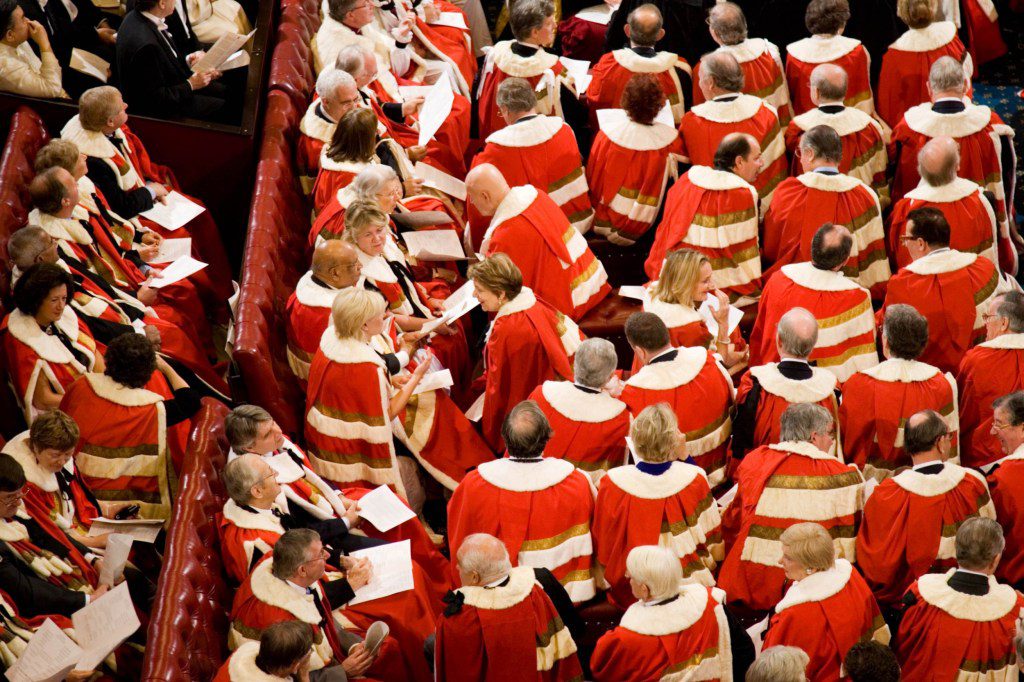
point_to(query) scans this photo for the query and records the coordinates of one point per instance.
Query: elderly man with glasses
(1006, 481)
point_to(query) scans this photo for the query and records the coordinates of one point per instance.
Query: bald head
(487, 188)
(831, 247)
(720, 74)
(336, 264)
(828, 84)
(938, 161)
(796, 334)
(727, 23)
(482, 559)
(644, 26)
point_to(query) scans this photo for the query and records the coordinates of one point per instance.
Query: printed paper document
(392, 571)
(383, 508)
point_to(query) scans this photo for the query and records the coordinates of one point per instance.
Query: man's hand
(410, 107)
(416, 153)
(153, 334)
(151, 238)
(201, 79)
(159, 191)
(430, 12)
(99, 591)
(358, 661)
(146, 294)
(352, 517)
(412, 186)
(38, 35)
(194, 57)
(360, 573)
(107, 36)
(148, 253)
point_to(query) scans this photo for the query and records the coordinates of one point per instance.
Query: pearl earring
(809, 571)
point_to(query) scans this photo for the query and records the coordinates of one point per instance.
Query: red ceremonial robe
(910, 524)
(611, 73)
(903, 82)
(779, 486)
(674, 510)
(803, 56)
(335, 176)
(825, 614)
(628, 171)
(541, 509)
(846, 326)
(1005, 479)
(504, 634)
(245, 538)
(984, 39)
(590, 426)
(699, 390)
(686, 639)
(714, 212)
(704, 127)
(763, 75)
(315, 132)
(54, 559)
(951, 289)
(876, 405)
(687, 329)
(949, 635)
(988, 371)
(309, 315)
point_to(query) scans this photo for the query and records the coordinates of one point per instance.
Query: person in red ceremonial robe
(590, 426)
(985, 142)
(357, 416)
(824, 195)
(612, 72)
(46, 347)
(879, 400)
(962, 625)
(352, 149)
(1004, 478)
(17, 632)
(715, 211)
(694, 384)
(674, 628)
(902, 83)
(553, 257)
(910, 520)
(502, 624)
(728, 110)
(846, 325)
(972, 220)
(990, 370)
(630, 165)
(826, 21)
(529, 342)
(546, 505)
(865, 155)
(336, 95)
(779, 486)
(657, 501)
(282, 654)
(766, 391)
(950, 288)
(984, 37)
(828, 607)
(763, 73)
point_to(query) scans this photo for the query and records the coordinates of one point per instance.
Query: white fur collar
(520, 584)
(89, 142)
(108, 389)
(347, 351)
(930, 485)
(523, 477)
(817, 586)
(248, 520)
(925, 39)
(515, 202)
(631, 61)
(376, 268)
(531, 133)
(521, 67)
(829, 183)
(345, 196)
(740, 109)
(819, 49)
(521, 303)
(674, 315)
(313, 125)
(804, 448)
(574, 404)
(922, 119)
(810, 277)
(278, 593)
(242, 666)
(354, 167)
(667, 619)
(638, 137)
(13, 531)
(25, 329)
(848, 121)
(663, 376)
(960, 188)
(820, 386)
(1012, 341)
(1015, 456)
(648, 487)
(935, 589)
(899, 370)
(309, 293)
(749, 50)
(18, 448)
(62, 228)
(939, 263)
(713, 179)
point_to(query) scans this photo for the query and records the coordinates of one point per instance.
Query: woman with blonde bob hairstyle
(674, 625)
(355, 411)
(827, 609)
(657, 501)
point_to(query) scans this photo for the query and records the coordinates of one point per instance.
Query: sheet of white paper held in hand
(435, 381)
(384, 509)
(222, 50)
(177, 271)
(174, 212)
(442, 182)
(49, 656)
(434, 245)
(141, 530)
(103, 624)
(392, 571)
(119, 545)
(173, 249)
(437, 106)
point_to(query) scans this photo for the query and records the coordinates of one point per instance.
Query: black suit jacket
(64, 33)
(153, 77)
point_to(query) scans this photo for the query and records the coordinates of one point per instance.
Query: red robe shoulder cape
(714, 212)
(333, 177)
(309, 315)
(704, 127)
(951, 289)
(803, 204)
(504, 634)
(553, 256)
(779, 486)
(949, 635)
(590, 428)
(877, 403)
(988, 371)
(1006, 485)
(245, 538)
(910, 524)
(700, 392)
(825, 614)
(315, 132)
(541, 510)
(687, 329)
(628, 170)
(674, 510)
(763, 75)
(55, 559)
(611, 73)
(687, 638)
(803, 56)
(846, 326)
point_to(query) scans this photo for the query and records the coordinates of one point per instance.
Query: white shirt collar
(961, 569)
(948, 99)
(495, 583)
(299, 588)
(157, 21)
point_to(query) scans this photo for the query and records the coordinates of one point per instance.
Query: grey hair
(529, 15)
(328, 82)
(790, 338)
(1009, 305)
(657, 568)
(291, 551)
(978, 542)
(516, 95)
(25, 245)
(827, 90)
(723, 70)
(239, 476)
(484, 555)
(802, 420)
(350, 60)
(779, 664)
(905, 331)
(594, 362)
(337, 9)
(824, 142)
(728, 23)
(242, 425)
(1013, 403)
(526, 430)
(947, 75)
(371, 180)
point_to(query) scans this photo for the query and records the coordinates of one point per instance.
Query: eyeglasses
(322, 556)
(999, 427)
(907, 238)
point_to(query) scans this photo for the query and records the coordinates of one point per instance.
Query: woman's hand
(721, 314)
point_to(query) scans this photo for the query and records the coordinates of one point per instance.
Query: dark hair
(291, 551)
(36, 284)
(906, 331)
(12, 476)
(830, 256)
(284, 644)
(641, 34)
(930, 225)
(643, 98)
(355, 138)
(1013, 403)
(7, 8)
(917, 13)
(47, 191)
(825, 142)
(526, 430)
(145, 5)
(922, 435)
(647, 331)
(131, 360)
(826, 17)
(871, 662)
(731, 147)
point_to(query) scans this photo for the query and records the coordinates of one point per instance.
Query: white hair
(371, 180)
(594, 362)
(350, 60)
(328, 82)
(657, 568)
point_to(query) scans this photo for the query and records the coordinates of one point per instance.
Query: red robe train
(984, 39)
(315, 132)
(763, 75)
(803, 56)
(988, 371)
(309, 314)
(1004, 478)
(611, 73)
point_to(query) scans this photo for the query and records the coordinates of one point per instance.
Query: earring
(809, 571)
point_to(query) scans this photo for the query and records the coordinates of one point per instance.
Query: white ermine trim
(502, 56)
(520, 584)
(242, 666)
(819, 387)
(831, 183)
(960, 188)
(663, 376)
(902, 371)
(1006, 342)
(666, 619)
(518, 200)
(525, 476)
(740, 109)
(18, 448)
(252, 521)
(713, 179)
(817, 586)
(313, 125)
(276, 592)
(574, 404)
(801, 448)
(810, 277)
(353, 167)
(531, 133)
(942, 262)
(119, 394)
(25, 329)
(309, 293)
(631, 61)
(347, 351)
(634, 482)
(63, 228)
(747, 51)
(523, 301)
(674, 315)
(848, 121)
(819, 49)
(931, 37)
(376, 268)
(935, 590)
(921, 119)
(930, 485)
(641, 138)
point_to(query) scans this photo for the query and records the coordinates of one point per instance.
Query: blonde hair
(679, 276)
(352, 308)
(655, 434)
(657, 568)
(779, 664)
(498, 274)
(57, 153)
(97, 105)
(810, 545)
(361, 215)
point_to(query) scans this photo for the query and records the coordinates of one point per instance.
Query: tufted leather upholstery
(291, 66)
(607, 320)
(187, 636)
